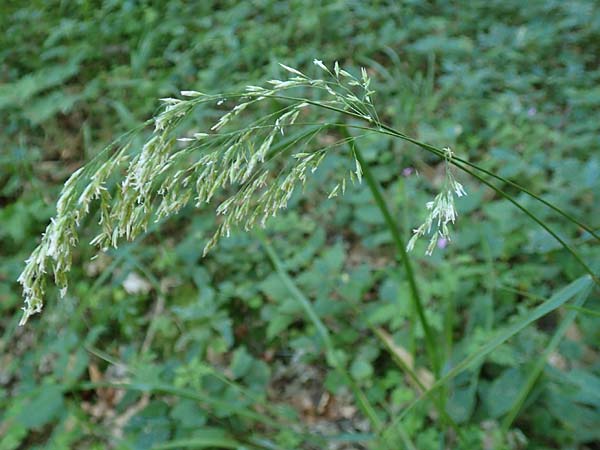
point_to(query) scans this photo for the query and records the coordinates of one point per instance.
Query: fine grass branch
(461, 163)
(455, 160)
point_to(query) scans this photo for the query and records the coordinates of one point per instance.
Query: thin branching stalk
(384, 129)
(455, 160)
(507, 196)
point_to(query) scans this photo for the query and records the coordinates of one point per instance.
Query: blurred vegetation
(157, 347)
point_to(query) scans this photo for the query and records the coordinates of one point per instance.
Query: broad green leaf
(503, 391)
(45, 406)
(241, 362)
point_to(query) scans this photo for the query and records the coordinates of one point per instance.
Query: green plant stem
(533, 195)
(332, 358)
(456, 160)
(536, 219)
(402, 253)
(582, 310)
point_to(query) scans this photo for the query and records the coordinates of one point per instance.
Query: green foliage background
(215, 352)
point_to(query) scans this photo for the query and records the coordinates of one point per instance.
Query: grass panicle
(239, 159)
(171, 170)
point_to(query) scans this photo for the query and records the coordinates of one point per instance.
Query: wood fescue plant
(254, 165)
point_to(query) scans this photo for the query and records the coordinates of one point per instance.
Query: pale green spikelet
(442, 211)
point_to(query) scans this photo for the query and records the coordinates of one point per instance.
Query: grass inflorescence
(240, 157)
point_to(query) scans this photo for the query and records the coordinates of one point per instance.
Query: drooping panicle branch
(238, 161)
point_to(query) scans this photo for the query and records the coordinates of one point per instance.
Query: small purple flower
(532, 111)
(407, 171)
(442, 242)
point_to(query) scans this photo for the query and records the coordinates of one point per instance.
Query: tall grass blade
(363, 402)
(207, 438)
(541, 361)
(557, 300)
